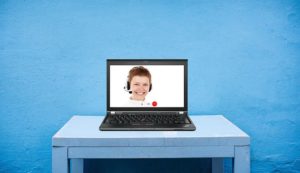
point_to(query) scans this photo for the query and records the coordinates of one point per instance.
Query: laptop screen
(146, 84)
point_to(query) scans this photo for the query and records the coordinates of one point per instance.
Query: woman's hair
(139, 71)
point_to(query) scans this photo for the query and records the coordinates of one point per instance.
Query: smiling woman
(139, 84)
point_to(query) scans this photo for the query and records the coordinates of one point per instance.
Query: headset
(127, 87)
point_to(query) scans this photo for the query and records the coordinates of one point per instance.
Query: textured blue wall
(244, 60)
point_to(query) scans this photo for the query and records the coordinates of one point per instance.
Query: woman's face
(139, 86)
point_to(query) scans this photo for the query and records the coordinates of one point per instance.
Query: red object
(154, 103)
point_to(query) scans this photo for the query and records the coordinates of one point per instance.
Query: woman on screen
(138, 85)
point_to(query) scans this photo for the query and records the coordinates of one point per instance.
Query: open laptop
(147, 95)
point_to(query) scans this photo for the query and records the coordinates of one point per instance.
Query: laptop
(147, 95)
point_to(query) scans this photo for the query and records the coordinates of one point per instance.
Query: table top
(210, 130)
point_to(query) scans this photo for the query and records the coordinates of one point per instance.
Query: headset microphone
(127, 89)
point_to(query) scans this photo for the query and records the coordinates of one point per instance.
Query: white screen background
(167, 85)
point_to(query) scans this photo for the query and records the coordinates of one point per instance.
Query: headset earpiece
(128, 86)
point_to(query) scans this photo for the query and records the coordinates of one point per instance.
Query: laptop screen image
(146, 84)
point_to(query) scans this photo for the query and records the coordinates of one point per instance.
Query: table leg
(217, 165)
(77, 165)
(60, 161)
(242, 159)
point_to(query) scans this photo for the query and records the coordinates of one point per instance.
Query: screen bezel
(110, 62)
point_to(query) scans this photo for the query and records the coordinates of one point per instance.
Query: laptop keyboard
(147, 118)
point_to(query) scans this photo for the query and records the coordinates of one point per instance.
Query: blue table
(215, 137)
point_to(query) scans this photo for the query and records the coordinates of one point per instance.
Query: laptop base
(109, 125)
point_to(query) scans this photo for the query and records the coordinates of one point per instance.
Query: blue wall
(244, 60)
